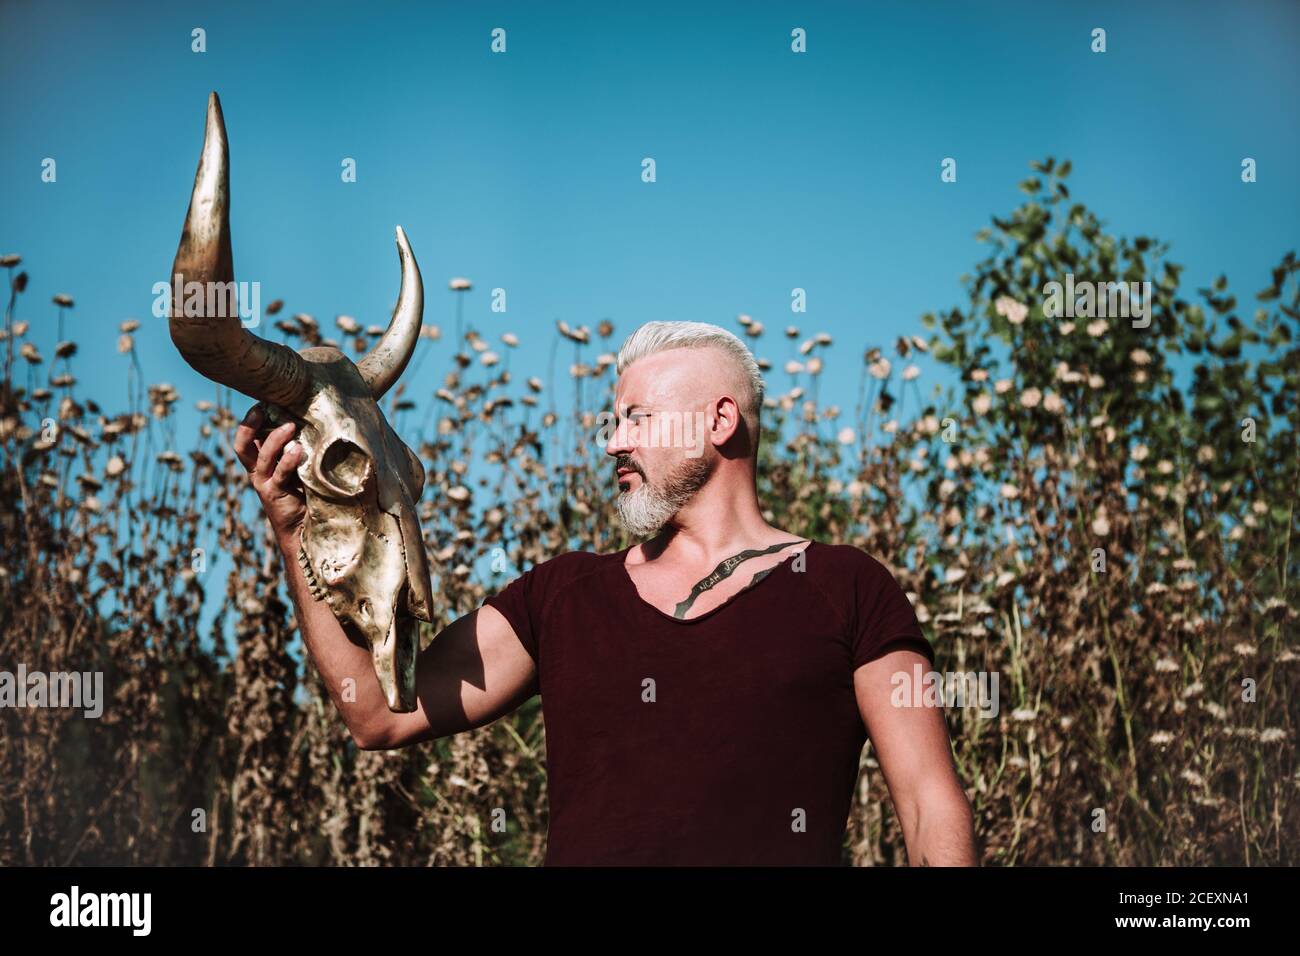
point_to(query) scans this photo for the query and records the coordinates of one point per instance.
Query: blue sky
(522, 170)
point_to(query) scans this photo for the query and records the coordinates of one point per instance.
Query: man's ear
(727, 413)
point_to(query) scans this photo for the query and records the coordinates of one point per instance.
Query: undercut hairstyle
(656, 337)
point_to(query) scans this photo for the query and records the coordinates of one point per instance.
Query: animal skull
(362, 549)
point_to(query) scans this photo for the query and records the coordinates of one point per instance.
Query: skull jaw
(393, 646)
(394, 660)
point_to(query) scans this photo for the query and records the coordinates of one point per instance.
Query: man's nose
(618, 443)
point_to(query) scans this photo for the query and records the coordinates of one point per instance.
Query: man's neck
(716, 525)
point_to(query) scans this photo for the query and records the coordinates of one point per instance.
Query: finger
(285, 478)
(272, 445)
(244, 443)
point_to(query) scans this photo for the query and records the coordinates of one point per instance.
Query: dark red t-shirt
(750, 731)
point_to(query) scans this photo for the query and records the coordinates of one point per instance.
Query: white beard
(645, 511)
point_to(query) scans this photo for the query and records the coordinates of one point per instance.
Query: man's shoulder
(536, 587)
(848, 575)
(851, 561)
(561, 568)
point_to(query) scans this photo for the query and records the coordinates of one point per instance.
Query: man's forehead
(661, 377)
(640, 383)
(626, 398)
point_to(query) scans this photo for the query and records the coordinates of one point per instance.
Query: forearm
(347, 670)
(942, 834)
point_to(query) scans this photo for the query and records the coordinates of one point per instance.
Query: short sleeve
(884, 618)
(520, 603)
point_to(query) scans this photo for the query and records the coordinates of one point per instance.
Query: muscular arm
(473, 672)
(915, 756)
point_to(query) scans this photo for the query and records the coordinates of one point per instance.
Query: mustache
(623, 461)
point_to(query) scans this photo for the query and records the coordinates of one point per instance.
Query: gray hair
(660, 336)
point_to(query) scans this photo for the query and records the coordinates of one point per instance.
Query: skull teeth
(317, 592)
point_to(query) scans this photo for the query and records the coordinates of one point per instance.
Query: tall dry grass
(1156, 696)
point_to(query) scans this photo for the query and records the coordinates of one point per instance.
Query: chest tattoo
(724, 571)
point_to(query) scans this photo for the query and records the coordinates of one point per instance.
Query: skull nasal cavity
(345, 466)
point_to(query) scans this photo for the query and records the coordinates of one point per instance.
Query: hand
(271, 462)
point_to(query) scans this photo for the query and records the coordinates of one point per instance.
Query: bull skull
(362, 550)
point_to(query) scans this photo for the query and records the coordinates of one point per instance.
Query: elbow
(373, 738)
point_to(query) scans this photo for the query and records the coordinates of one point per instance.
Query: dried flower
(1013, 311)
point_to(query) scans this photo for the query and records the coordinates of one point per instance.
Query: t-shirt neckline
(630, 585)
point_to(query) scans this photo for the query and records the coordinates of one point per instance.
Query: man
(706, 692)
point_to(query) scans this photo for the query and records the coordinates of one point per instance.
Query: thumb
(285, 477)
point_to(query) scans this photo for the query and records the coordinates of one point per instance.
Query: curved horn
(211, 337)
(384, 363)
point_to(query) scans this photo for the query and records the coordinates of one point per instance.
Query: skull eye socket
(344, 467)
